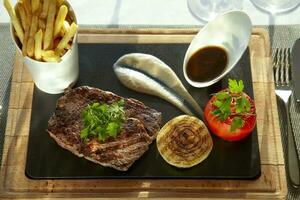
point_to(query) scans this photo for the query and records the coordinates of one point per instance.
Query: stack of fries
(45, 28)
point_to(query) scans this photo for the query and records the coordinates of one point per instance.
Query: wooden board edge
(275, 118)
(264, 35)
(144, 191)
(139, 31)
(262, 32)
(164, 31)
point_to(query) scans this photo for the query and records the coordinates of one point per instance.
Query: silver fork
(283, 91)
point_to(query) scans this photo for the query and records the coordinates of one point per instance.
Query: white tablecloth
(155, 13)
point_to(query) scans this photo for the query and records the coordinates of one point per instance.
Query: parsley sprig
(232, 103)
(102, 120)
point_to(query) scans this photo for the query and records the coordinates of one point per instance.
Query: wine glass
(206, 10)
(276, 6)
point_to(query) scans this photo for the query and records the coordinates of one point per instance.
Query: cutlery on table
(295, 58)
(283, 91)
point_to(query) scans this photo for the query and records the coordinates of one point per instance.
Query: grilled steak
(138, 131)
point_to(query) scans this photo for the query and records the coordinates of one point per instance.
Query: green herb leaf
(223, 104)
(103, 108)
(246, 103)
(242, 105)
(216, 112)
(102, 120)
(218, 103)
(234, 86)
(112, 129)
(225, 109)
(101, 137)
(121, 103)
(224, 115)
(222, 95)
(84, 133)
(95, 105)
(237, 122)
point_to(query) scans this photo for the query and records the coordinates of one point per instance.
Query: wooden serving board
(271, 184)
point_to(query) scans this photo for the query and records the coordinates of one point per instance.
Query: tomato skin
(222, 128)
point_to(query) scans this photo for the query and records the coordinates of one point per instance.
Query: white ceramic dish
(231, 31)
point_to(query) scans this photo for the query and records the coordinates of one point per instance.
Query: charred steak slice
(138, 131)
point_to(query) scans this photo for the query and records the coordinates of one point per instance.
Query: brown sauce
(206, 63)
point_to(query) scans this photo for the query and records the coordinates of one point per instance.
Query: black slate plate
(228, 160)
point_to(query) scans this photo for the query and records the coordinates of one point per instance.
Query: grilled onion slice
(184, 141)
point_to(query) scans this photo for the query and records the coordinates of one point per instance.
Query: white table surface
(155, 13)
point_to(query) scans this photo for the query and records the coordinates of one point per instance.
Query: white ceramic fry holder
(53, 77)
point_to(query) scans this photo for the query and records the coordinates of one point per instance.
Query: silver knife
(295, 58)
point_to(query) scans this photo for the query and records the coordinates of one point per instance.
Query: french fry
(52, 59)
(50, 56)
(48, 53)
(33, 30)
(30, 47)
(27, 29)
(40, 8)
(64, 28)
(59, 3)
(24, 46)
(42, 24)
(15, 21)
(38, 38)
(34, 25)
(50, 25)
(68, 46)
(27, 8)
(63, 52)
(55, 42)
(21, 10)
(35, 4)
(66, 38)
(26, 35)
(59, 21)
(45, 8)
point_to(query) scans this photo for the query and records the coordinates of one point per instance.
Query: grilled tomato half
(230, 113)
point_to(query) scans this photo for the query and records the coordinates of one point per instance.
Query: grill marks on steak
(130, 144)
(139, 130)
(135, 108)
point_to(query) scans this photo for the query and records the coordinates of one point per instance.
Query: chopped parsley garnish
(102, 120)
(232, 103)
(234, 86)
